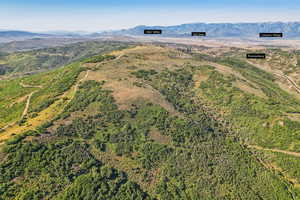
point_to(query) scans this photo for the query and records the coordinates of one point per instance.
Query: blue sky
(97, 15)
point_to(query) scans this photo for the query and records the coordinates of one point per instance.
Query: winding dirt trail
(109, 61)
(291, 153)
(25, 111)
(272, 166)
(28, 97)
(291, 81)
(27, 104)
(117, 58)
(48, 113)
(80, 81)
(7, 126)
(30, 86)
(278, 73)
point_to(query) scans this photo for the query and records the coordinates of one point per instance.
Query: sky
(98, 15)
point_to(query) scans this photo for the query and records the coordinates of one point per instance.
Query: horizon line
(87, 32)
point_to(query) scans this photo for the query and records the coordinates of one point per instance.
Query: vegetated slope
(37, 43)
(138, 128)
(26, 97)
(267, 116)
(12, 97)
(49, 58)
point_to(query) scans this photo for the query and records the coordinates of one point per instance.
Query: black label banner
(152, 31)
(198, 33)
(271, 35)
(256, 55)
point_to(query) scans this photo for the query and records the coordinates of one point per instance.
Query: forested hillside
(150, 122)
(49, 58)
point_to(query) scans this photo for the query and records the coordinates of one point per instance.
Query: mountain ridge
(244, 30)
(19, 33)
(290, 30)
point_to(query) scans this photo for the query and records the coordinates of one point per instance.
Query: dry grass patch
(294, 116)
(118, 77)
(226, 70)
(126, 94)
(198, 78)
(19, 100)
(246, 88)
(32, 123)
(155, 135)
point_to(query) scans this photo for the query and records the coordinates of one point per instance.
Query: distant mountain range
(242, 30)
(290, 30)
(21, 34)
(9, 36)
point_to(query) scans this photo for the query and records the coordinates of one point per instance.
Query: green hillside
(49, 58)
(151, 122)
(45, 89)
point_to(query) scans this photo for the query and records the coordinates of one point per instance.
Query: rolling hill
(154, 122)
(34, 61)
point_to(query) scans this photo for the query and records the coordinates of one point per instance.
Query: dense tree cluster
(145, 74)
(99, 58)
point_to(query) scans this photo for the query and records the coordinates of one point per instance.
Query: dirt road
(30, 86)
(25, 111)
(27, 104)
(291, 153)
(292, 82)
(29, 96)
(278, 73)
